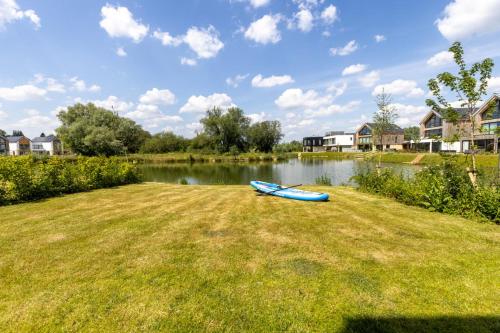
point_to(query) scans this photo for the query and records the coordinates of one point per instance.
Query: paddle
(283, 188)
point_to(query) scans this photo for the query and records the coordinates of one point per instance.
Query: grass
(173, 258)
(206, 157)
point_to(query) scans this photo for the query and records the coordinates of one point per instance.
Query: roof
(49, 138)
(15, 138)
(394, 128)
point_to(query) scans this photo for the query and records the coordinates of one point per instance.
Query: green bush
(323, 180)
(443, 188)
(29, 178)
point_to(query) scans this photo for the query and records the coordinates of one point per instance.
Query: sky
(314, 65)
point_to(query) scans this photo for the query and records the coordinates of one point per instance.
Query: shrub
(29, 178)
(443, 188)
(323, 180)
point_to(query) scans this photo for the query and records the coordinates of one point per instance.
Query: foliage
(323, 180)
(165, 143)
(412, 133)
(288, 147)
(264, 135)
(384, 118)
(29, 178)
(443, 187)
(226, 128)
(89, 130)
(468, 86)
(2, 132)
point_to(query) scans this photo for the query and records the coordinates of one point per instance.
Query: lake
(293, 171)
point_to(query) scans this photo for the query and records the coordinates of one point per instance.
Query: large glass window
(365, 131)
(434, 132)
(434, 121)
(494, 115)
(490, 128)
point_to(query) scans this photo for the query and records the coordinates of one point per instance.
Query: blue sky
(315, 65)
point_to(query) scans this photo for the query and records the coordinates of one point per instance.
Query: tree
(468, 86)
(2, 132)
(226, 128)
(165, 142)
(384, 118)
(90, 130)
(288, 147)
(17, 133)
(264, 135)
(412, 134)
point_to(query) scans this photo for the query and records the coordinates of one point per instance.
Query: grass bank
(156, 257)
(200, 157)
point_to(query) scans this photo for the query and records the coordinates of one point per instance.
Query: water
(293, 171)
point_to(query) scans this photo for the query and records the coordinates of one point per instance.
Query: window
(434, 121)
(490, 128)
(37, 147)
(365, 131)
(434, 132)
(494, 115)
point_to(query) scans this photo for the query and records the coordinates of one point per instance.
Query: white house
(46, 145)
(339, 141)
(19, 145)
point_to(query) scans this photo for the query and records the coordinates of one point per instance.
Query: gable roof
(14, 139)
(394, 128)
(49, 138)
(485, 105)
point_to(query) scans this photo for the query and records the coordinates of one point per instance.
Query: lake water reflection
(293, 171)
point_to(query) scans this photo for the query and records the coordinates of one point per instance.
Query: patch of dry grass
(170, 258)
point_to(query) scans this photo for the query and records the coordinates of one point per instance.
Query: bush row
(444, 188)
(29, 178)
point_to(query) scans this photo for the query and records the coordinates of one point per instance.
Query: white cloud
(494, 84)
(35, 120)
(264, 30)
(52, 85)
(10, 11)
(200, 104)
(441, 59)
(407, 88)
(305, 20)
(235, 81)
(329, 14)
(466, 18)
(259, 3)
(188, 61)
(121, 52)
(271, 81)
(409, 115)
(379, 38)
(158, 97)
(205, 42)
(167, 39)
(333, 109)
(22, 93)
(113, 103)
(119, 22)
(346, 50)
(353, 69)
(257, 117)
(80, 85)
(296, 98)
(326, 33)
(3, 115)
(337, 89)
(152, 116)
(370, 79)
(194, 127)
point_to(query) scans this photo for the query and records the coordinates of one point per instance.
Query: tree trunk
(473, 172)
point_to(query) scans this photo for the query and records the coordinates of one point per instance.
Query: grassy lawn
(160, 257)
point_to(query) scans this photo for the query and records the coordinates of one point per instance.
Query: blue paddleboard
(289, 193)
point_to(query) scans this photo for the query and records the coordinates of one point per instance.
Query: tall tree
(383, 121)
(468, 86)
(90, 130)
(264, 135)
(227, 129)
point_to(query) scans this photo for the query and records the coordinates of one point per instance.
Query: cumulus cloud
(494, 84)
(353, 69)
(10, 11)
(235, 81)
(34, 120)
(466, 18)
(333, 109)
(80, 85)
(188, 61)
(259, 3)
(267, 82)
(119, 22)
(151, 116)
(370, 79)
(440, 59)
(200, 104)
(156, 96)
(113, 103)
(257, 117)
(406, 88)
(121, 52)
(296, 98)
(409, 114)
(167, 39)
(21, 93)
(51, 84)
(346, 50)
(337, 89)
(264, 30)
(329, 14)
(379, 38)
(305, 20)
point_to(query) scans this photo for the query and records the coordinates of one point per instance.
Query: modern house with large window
(439, 135)
(313, 144)
(366, 141)
(46, 145)
(4, 146)
(339, 141)
(19, 145)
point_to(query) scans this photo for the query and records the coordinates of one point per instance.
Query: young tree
(383, 120)
(264, 135)
(468, 86)
(412, 134)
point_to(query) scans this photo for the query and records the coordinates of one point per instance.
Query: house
(46, 145)
(434, 130)
(4, 146)
(392, 139)
(19, 145)
(339, 141)
(313, 144)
